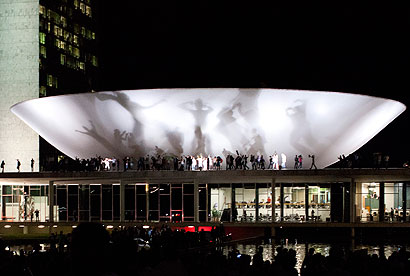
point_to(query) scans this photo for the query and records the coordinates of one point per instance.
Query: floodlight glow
(209, 122)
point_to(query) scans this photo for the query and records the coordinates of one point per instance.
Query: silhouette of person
(313, 162)
(200, 112)
(37, 213)
(3, 164)
(93, 132)
(18, 165)
(90, 250)
(296, 162)
(133, 108)
(301, 137)
(32, 164)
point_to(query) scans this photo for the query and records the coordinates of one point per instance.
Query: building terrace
(332, 198)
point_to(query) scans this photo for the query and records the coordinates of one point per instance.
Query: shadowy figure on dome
(200, 142)
(134, 109)
(137, 150)
(200, 112)
(93, 132)
(229, 127)
(301, 137)
(119, 137)
(176, 140)
(256, 144)
(247, 105)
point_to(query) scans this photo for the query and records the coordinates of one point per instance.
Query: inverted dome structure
(209, 122)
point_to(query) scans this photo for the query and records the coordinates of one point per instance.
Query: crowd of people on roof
(228, 161)
(168, 162)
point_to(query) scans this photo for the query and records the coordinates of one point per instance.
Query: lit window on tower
(43, 91)
(43, 51)
(42, 10)
(88, 11)
(62, 59)
(42, 38)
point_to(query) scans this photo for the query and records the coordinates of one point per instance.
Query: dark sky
(357, 49)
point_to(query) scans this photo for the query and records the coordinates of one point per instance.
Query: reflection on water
(269, 249)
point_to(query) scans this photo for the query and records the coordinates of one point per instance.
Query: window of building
(77, 28)
(62, 45)
(56, 32)
(67, 36)
(129, 202)
(61, 202)
(62, 59)
(42, 25)
(176, 203)
(106, 202)
(43, 91)
(319, 201)
(50, 80)
(165, 202)
(42, 10)
(278, 203)
(43, 51)
(88, 11)
(88, 34)
(76, 52)
(82, 7)
(72, 202)
(94, 61)
(63, 21)
(393, 201)
(95, 202)
(203, 197)
(19, 203)
(220, 202)
(153, 203)
(367, 199)
(141, 206)
(75, 40)
(42, 38)
(53, 16)
(84, 203)
(264, 201)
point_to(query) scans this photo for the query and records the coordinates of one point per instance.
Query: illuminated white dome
(209, 121)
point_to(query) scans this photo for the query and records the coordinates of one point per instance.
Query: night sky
(356, 49)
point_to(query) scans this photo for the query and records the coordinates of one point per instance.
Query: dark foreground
(91, 250)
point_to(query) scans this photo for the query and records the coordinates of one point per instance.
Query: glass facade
(24, 203)
(68, 59)
(189, 202)
(392, 201)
